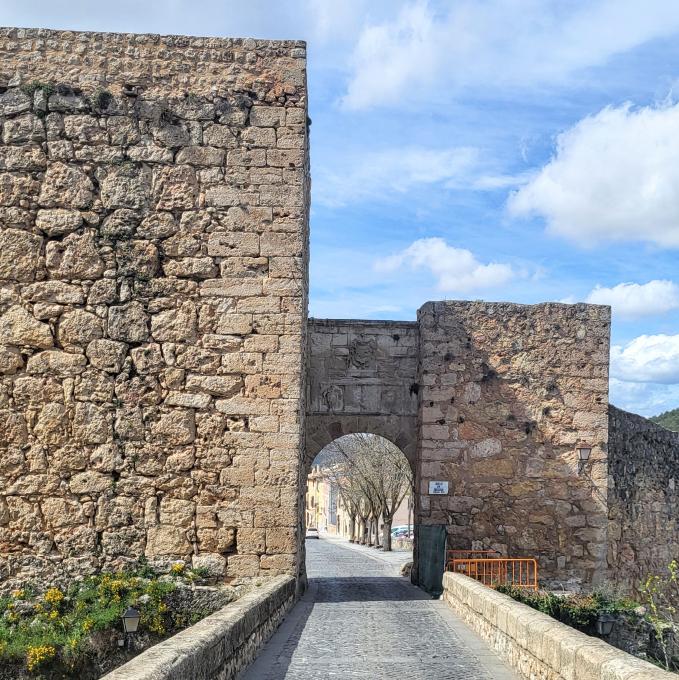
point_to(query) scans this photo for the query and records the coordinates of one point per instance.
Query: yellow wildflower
(18, 594)
(177, 568)
(53, 597)
(35, 656)
(54, 615)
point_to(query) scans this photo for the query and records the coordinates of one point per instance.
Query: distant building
(326, 512)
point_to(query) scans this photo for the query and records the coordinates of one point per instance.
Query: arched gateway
(492, 399)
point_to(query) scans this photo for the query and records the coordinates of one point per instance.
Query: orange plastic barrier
(468, 555)
(521, 572)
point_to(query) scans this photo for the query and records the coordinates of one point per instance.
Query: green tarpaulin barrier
(431, 557)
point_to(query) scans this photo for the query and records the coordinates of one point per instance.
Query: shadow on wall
(509, 392)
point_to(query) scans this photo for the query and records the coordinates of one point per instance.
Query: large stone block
(19, 255)
(66, 186)
(18, 327)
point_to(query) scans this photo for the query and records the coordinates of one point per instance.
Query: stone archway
(362, 378)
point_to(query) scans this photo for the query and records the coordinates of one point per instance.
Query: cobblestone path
(359, 619)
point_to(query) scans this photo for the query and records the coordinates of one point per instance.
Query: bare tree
(373, 478)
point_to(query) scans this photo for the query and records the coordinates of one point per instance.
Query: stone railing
(220, 645)
(536, 645)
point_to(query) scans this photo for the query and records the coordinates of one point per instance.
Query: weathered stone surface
(19, 255)
(58, 221)
(642, 529)
(10, 360)
(148, 359)
(66, 186)
(201, 156)
(14, 101)
(126, 186)
(107, 355)
(214, 565)
(92, 423)
(137, 258)
(175, 325)
(175, 188)
(128, 322)
(166, 540)
(191, 267)
(106, 229)
(18, 327)
(120, 224)
(90, 482)
(78, 328)
(51, 427)
(54, 291)
(175, 427)
(58, 364)
(75, 257)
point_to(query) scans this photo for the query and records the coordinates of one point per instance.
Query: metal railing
(520, 572)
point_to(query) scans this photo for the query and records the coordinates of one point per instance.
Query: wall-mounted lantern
(604, 624)
(131, 620)
(584, 452)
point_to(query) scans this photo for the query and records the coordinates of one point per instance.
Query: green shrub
(660, 594)
(577, 611)
(55, 629)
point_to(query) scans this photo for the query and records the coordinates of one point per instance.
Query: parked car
(312, 532)
(401, 532)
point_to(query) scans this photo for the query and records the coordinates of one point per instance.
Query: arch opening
(360, 487)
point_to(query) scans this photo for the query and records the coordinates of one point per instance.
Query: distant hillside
(669, 420)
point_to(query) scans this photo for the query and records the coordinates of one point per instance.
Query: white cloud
(506, 43)
(634, 300)
(614, 177)
(647, 359)
(456, 270)
(647, 399)
(372, 175)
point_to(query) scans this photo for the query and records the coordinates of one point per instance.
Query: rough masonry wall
(362, 378)
(153, 285)
(643, 498)
(507, 394)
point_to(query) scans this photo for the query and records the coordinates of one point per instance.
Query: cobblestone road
(360, 620)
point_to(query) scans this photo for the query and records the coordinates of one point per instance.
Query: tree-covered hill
(668, 420)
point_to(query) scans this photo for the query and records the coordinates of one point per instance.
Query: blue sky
(521, 150)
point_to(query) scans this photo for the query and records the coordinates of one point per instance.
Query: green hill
(669, 420)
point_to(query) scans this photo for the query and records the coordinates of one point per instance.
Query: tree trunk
(386, 534)
(364, 531)
(352, 528)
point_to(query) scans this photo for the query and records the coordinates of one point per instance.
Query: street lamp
(583, 456)
(604, 624)
(131, 620)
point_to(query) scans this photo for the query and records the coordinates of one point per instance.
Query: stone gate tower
(153, 295)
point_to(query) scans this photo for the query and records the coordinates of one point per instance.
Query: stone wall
(362, 378)
(220, 645)
(536, 645)
(643, 498)
(507, 393)
(153, 296)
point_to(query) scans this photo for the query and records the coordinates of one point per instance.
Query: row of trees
(373, 478)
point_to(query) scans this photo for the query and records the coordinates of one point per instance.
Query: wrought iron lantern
(583, 456)
(604, 624)
(131, 620)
